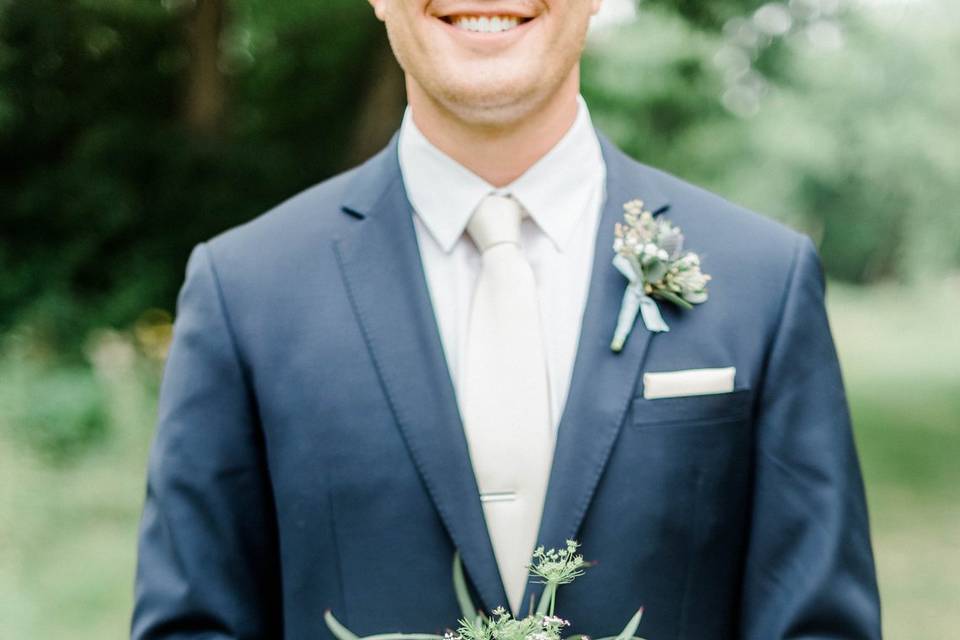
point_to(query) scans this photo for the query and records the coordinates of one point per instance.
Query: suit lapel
(603, 382)
(381, 266)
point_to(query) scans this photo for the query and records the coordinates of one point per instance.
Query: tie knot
(496, 220)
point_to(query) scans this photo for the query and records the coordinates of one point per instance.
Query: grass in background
(68, 524)
(900, 353)
(68, 518)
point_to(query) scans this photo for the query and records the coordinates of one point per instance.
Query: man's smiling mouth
(484, 23)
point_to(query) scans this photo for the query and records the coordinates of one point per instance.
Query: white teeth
(483, 24)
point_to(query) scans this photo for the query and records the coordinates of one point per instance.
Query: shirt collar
(555, 191)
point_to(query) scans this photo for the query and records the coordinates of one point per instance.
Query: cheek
(406, 42)
(570, 42)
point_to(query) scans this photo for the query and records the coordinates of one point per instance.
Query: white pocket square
(688, 382)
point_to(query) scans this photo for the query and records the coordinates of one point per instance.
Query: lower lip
(489, 38)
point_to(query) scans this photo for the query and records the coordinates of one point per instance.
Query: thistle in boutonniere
(649, 253)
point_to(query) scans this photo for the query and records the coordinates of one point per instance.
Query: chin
(493, 102)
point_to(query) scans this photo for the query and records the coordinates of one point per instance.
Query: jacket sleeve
(207, 561)
(809, 569)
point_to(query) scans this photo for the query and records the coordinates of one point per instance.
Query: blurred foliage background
(132, 129)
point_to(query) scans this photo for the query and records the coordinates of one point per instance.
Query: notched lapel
(603, 381)
(380, 263)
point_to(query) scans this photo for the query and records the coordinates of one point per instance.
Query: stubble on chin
(491, 106)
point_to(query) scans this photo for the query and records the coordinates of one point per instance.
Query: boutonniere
(649, 253)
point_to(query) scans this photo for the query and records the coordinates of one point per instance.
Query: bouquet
(552, 568)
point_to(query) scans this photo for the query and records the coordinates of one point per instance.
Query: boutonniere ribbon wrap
(649, 253)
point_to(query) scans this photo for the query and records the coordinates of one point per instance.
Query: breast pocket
(734, 406)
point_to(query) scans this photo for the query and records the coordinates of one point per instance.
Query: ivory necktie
(505, 401)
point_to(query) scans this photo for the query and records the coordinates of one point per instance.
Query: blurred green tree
(850, 135)
(132, 129)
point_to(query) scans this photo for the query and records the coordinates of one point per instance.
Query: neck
(499, 153)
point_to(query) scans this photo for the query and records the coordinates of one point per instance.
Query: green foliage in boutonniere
(654, 248)
(649, 253)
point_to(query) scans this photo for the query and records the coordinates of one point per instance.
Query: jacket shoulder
(750, 257)
(307, 216)
(701, 207)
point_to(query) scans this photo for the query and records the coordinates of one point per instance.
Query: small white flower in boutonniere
(649, 253)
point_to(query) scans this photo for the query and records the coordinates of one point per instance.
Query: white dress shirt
(561, 195)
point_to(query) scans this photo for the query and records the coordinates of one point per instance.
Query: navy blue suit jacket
(309, 452)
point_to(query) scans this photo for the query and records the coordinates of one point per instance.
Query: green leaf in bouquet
(626, 634)
(342, 633)
(469, 610)
(339, 631)
(631, 627)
